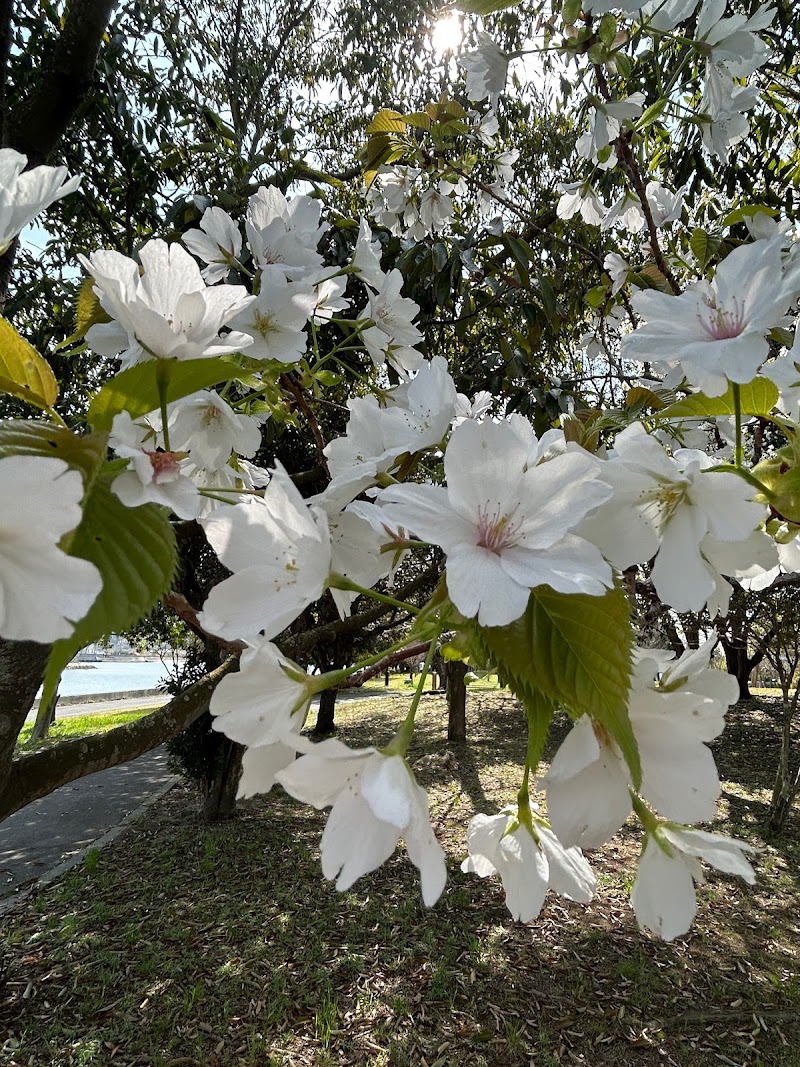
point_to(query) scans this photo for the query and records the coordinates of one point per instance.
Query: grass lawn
(79, 726)
(182, 945)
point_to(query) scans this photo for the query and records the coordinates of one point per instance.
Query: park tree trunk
(22, 666)
(219, 801)
(325, 725)
(787, 780)
(739, 664)
(456, 702)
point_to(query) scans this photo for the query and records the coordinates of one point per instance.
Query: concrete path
(54, 833)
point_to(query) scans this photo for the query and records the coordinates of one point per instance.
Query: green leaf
(134, 550)
(575, 650)
(84, 453)
(136, 389)
(23, 372)
(704, 247)
(596, 296)
(651, 114)
(486, 7)
(571, 11)
(387, 121)
(758, 397)
(520, 252)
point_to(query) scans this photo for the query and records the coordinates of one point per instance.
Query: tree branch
(39, 773)
(43, 118)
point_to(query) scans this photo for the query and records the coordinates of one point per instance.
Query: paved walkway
(54, 833)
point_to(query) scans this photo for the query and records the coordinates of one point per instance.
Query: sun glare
(447, 34)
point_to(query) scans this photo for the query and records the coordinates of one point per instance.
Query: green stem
(738, 458)
(163, 372)
(643, 813)
(54, 415)
(398, 746)
(744, 473)
(339, 581)
(540, 714)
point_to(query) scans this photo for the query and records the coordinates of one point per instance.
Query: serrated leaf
(23, 372)
(136, 389)
(420, 119)
(85, 453)
(758, 397)
(575, 650)
(641, 397)
(134, 550)
(88, 311)
(387, 121)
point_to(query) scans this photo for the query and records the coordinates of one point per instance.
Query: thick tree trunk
(740, 666)
(220, 795)
(22, 666)
(787, 783)
(456, 702)
(325, 724)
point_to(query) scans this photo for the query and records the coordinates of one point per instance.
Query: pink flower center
(166, 465)
(722, 325)
(496, 532)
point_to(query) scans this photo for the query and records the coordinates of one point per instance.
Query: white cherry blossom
(265, 701)
(491, 520)
(209, 430)
(672, 718)
(528, 865)
(375, 801)
(218, 243)
(663, 895)
(279, 551)
(26, 193)
(43, 591)
(416, 415)
(673, 509)
(716, 330)
(275, 321)
(165, 310)
(283, 234)
(487, 69)
(154, 475)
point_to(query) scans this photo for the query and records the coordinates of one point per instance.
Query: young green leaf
(758, 397)
(136, 389)
(134, 550)
(23, 372)
(84, 453)
(576, 651)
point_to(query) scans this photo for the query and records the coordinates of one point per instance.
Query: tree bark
(740, 665)
(326, 725)
(220, 798)
(456, 702)
(40, 773)
(22, 666)
(40, 122)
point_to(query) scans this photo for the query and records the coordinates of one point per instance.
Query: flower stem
(748, 476)
(540, 714)
(163, 371)
(339, 581)
(398, 746)
(738, 456)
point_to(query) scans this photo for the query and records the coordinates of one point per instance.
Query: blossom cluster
(513, 515)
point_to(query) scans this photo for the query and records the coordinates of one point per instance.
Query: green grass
(400, 683)
(80, 726)
(222, 946)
